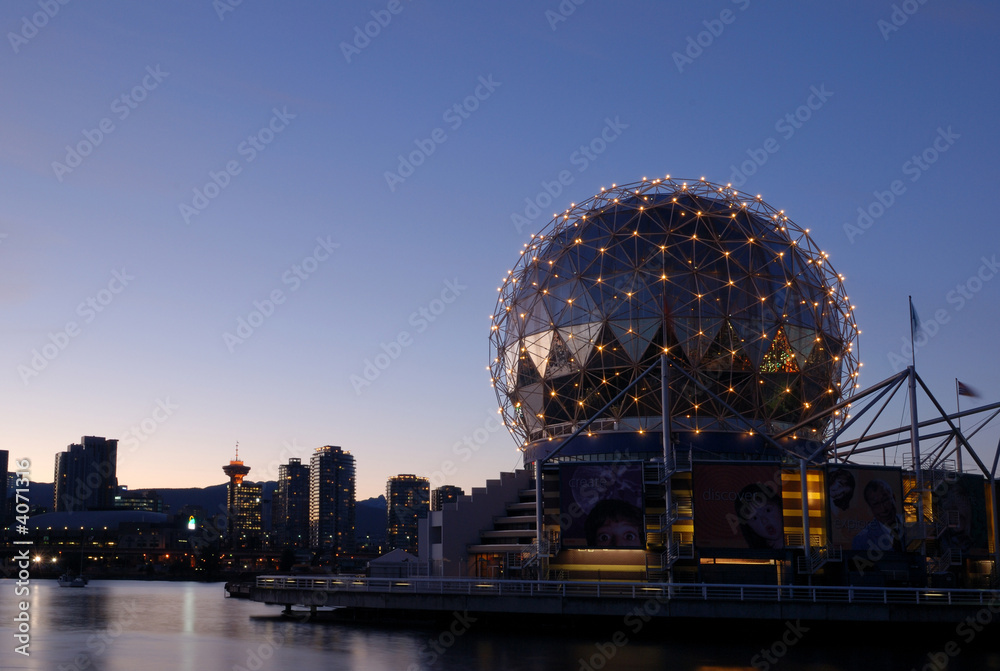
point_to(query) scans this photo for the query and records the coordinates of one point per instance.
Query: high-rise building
(445, 494)
(86, 476)
(247, 532)
(291, 505)
(407, 499)
(243, 507)
(4, 464)
(331, 500)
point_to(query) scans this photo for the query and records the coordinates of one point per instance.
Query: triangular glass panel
(560, 359)
(580, 340)
(780, 358)
(696, 335)
(725, 353)
(756, 338)
(570, 303)
(802, 340)
(532, 401)
(511, 359)
(536, 319)
(538, 347)
(635, 336)
(526, 371)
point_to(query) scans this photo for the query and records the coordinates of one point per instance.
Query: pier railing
(659, 591)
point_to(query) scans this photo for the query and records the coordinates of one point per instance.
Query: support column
(803, 472)
(539, 518)
(668, 452)
(918, 467)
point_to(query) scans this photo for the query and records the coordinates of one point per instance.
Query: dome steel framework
(737, 293)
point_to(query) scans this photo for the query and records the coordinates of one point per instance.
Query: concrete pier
(367, 597)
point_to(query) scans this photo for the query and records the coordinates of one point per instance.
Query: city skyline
(300, 245)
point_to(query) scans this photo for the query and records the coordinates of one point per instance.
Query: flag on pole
(966, 390)
(914, 318)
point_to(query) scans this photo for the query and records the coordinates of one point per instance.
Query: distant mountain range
(370, 515)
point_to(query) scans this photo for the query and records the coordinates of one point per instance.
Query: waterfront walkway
(413, 596)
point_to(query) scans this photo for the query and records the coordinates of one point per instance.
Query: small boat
(66, 580)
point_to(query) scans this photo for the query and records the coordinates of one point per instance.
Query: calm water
(130, 625)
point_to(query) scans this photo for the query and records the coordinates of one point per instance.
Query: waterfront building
(407, 501)
(291, 505)
(444, 494)
(677, 362)
(332, 501)
(86, 476)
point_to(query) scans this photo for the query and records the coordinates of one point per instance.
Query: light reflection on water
(130, 625)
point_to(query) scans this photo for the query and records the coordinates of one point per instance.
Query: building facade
(407, 500)
(245, 524)
(148, 500)
(445, 494)
(86, 476)
(677, 363)
(291, 505)
(331, 500)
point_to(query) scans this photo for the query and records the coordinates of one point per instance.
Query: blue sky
(238, 153)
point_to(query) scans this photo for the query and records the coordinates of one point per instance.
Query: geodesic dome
(739, 295)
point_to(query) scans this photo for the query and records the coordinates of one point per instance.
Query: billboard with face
(601, 505)
(959, 506)
(866, 508)
(738, 506)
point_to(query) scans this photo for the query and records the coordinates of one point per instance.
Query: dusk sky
(219, 218)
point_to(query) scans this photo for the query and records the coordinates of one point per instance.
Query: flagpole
(913, 319)
(958, 442)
